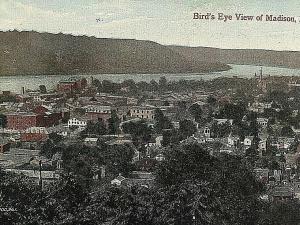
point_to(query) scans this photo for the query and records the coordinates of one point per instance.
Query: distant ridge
(33, 53)
(288, 59)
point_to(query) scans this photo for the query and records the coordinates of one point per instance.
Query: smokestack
(261, 73)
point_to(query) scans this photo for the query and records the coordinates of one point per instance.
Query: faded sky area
(163, 21)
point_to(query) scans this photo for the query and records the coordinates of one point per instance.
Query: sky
(167, 22)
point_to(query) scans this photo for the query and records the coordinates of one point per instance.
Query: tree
(139, 129)
(43, 89)
(221, 130)
(187, 128)
(98, 128)
(287, 131)
(52, 145)
(233, 111)
(81, 160)
(196, 112)
(161, 121)
(211, 100)
(113, 123)
(118, 159)
(226, 182)
(3, 120)
(154, 85)
(130, 84)
(163, 83)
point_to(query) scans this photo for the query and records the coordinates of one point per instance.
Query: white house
(118, 180)
(248, 141)
(233, 140)
(76, 122)
(90, 141)
(160, 157)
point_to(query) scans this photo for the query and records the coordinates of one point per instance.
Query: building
(22, 121)
(248, 141)
(34, 134)
(262, 175)
(71, 84)
(143, 112)
(98, 113)
(47, 177)
(282, 193)
(25, 120)
(118, 180)
(74, 122)
(263, 122)
(90, 141)
(233, 141)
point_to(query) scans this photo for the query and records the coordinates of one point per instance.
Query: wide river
(15, 83)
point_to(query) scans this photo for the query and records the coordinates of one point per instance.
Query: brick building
(34, 134)
(25, 120)
(98, 113)
(71, 84)
(22, 121)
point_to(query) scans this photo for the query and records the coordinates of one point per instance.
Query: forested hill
(36, 53)
(288, 59)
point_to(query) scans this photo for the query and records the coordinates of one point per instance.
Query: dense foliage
(192, 187)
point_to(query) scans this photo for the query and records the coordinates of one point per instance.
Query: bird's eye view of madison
(149, 112)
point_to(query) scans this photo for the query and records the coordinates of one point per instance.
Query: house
(259, 107)
(248, 141)
(90, 141)
(222, 121)
(175, 124)
(276, 175)
(160, 158)
(156, 142)
(140, 178)
(199, 137)
(262, 175)
(262, 145)
(263, 122)
(233, 140)
(227, 149)
(296, 188)
(285, 142)
(146, 164)
(74, 122)
(46, 176)
(204, 130)
(118, 180)
(136, 178)
(282, 193)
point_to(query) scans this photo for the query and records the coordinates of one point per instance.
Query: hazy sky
(163, 21)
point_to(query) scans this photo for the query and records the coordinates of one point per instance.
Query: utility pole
(40, 176)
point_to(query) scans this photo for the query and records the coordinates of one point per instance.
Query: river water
(15, 83)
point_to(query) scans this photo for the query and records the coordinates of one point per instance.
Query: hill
(33, 53)
(288, 59)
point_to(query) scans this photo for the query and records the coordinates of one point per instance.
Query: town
(120, 134)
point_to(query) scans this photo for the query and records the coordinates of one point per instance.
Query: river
(15, 83)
